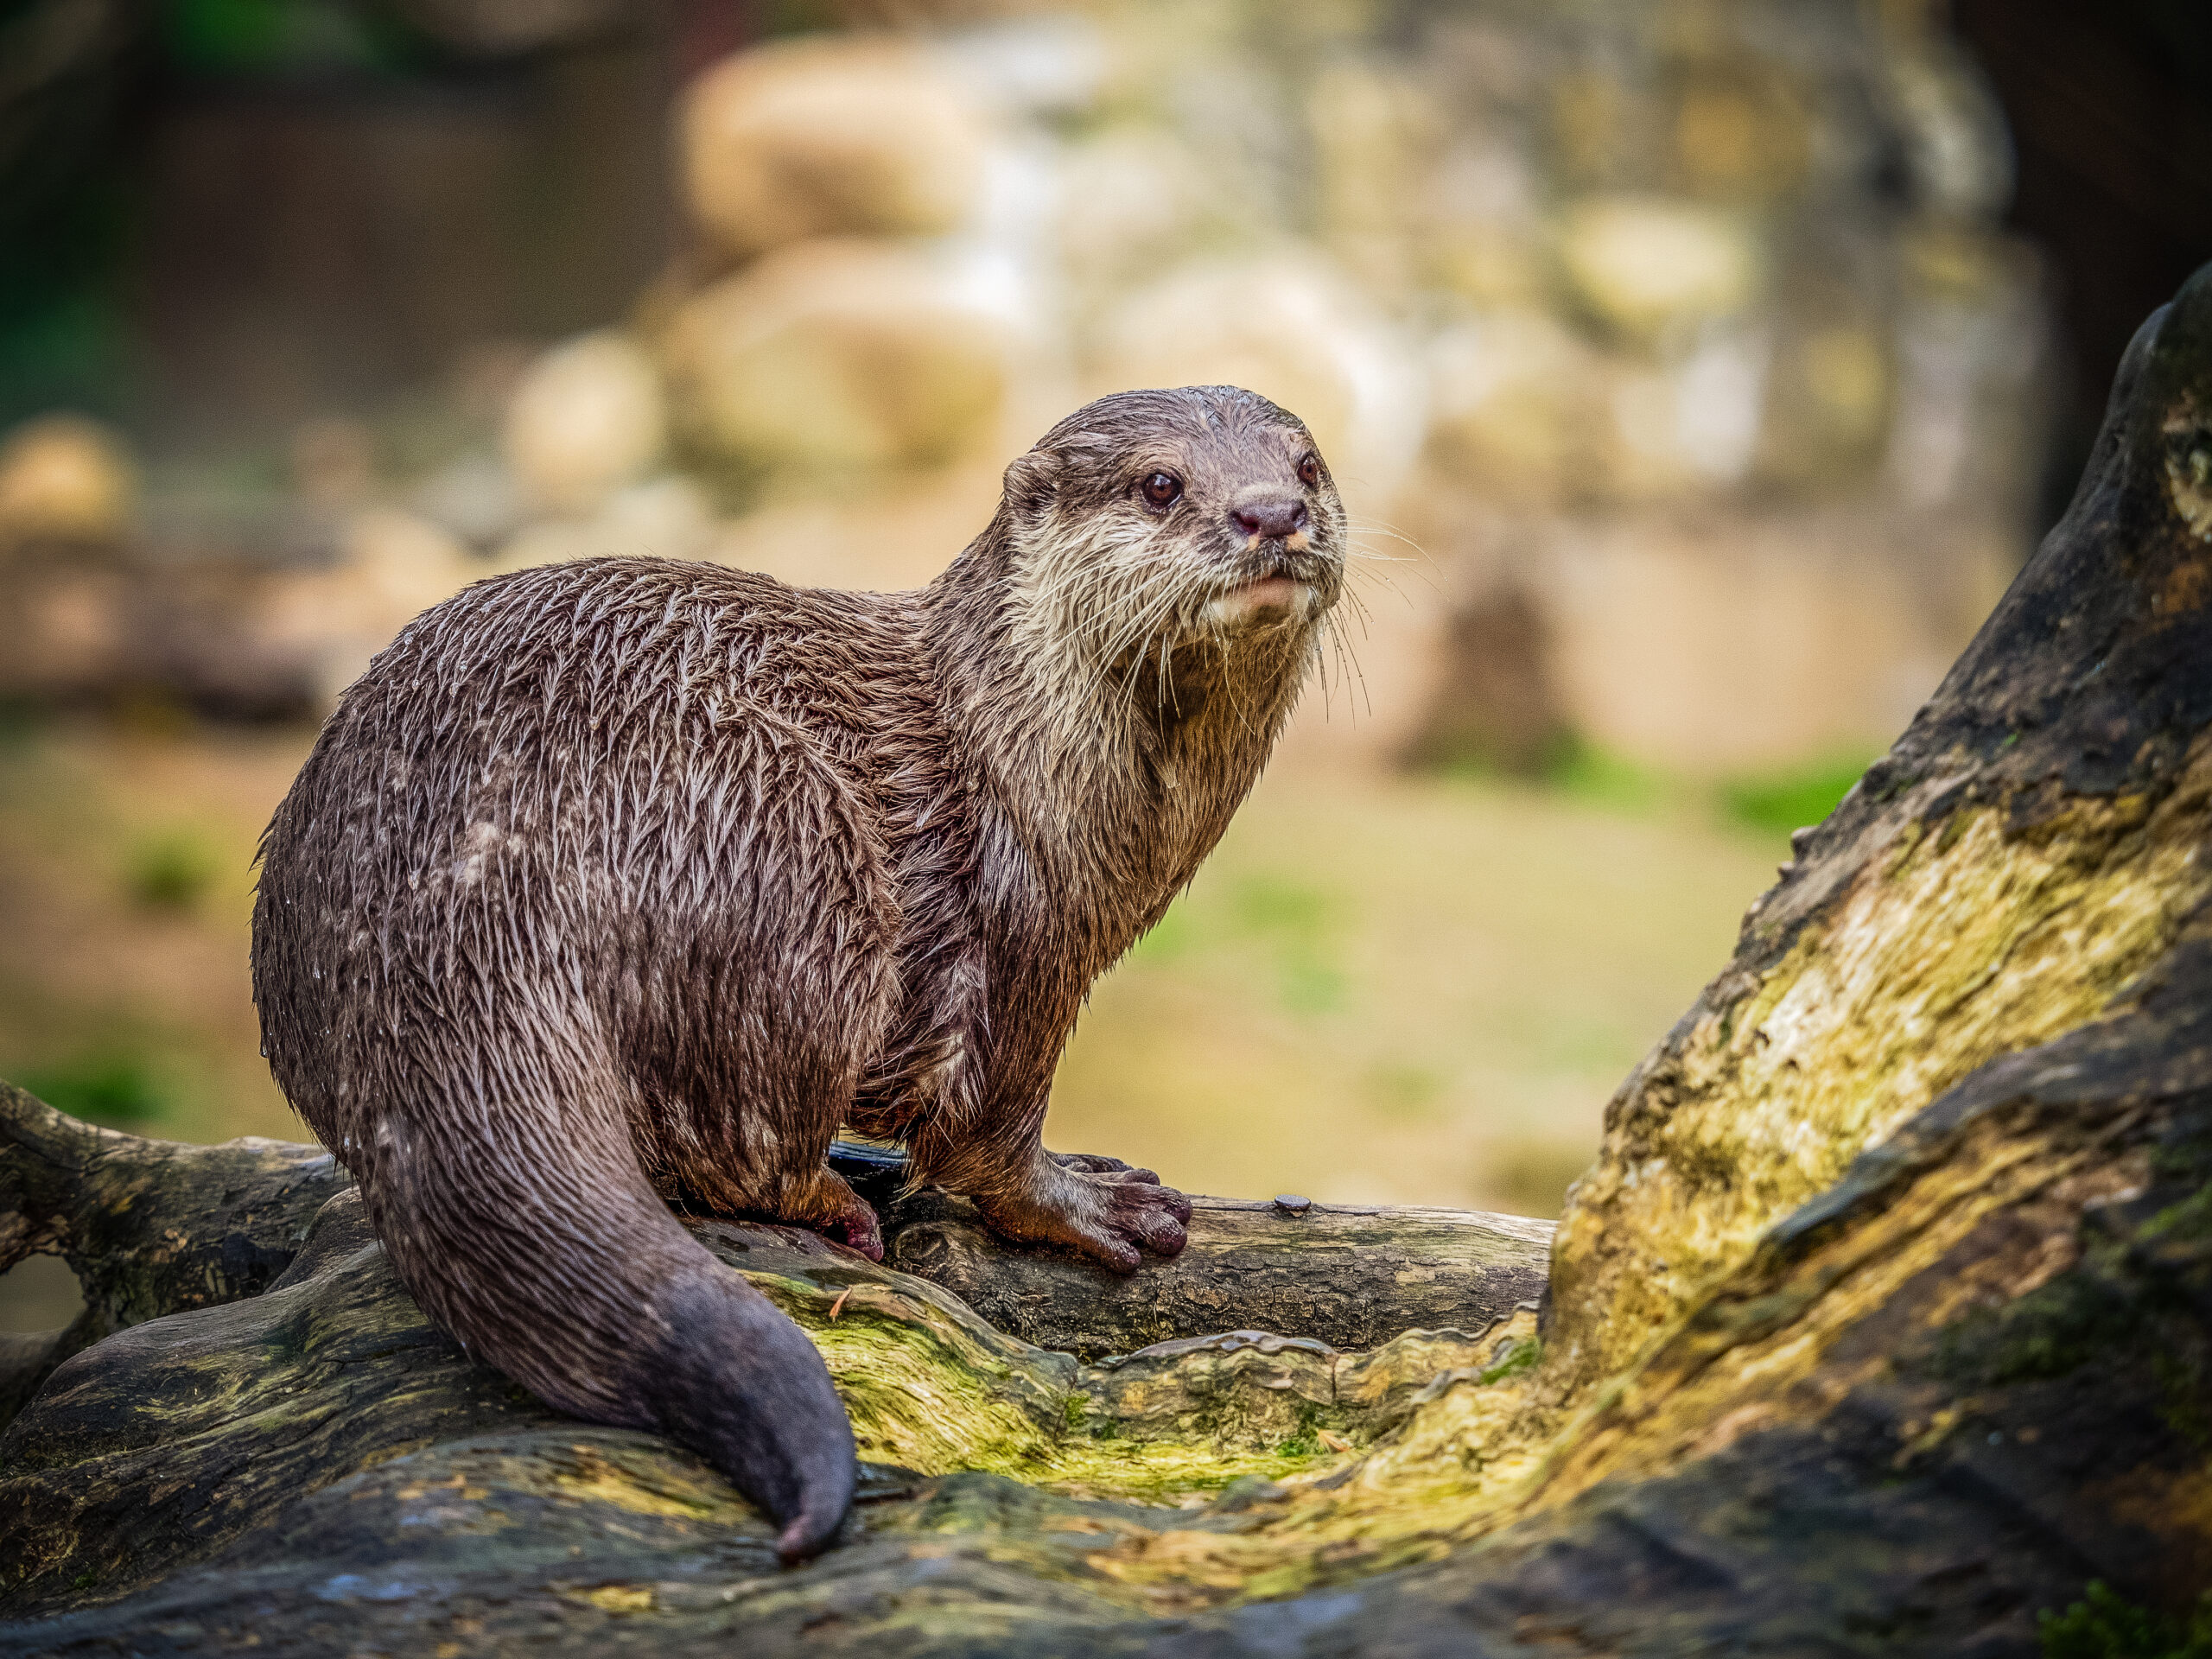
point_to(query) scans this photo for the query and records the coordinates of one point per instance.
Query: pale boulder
(1377, 135)
(65, 478)
(1291, 329)
(1516, 407)
(897, 536)
(586, 419)
(1129, 202)
(1652, 269)
(667, 518)
(1686, 427)
(829, 135)
(1832, 387)
(843, 355)
(68, 628)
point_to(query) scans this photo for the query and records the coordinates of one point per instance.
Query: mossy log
(149, 1227)
(1349, 1275)
(1882, 1323)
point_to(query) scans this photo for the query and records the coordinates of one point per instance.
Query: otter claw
(1092, 1163)
(1140, 1216)
(831, 1208)
(855, 1233)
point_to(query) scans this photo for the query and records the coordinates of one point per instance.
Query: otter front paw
(1098, 1207)
(825, 1203)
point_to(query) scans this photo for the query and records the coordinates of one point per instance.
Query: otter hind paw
(1097, 1207)
(1093, 1163)
(1141, 1211)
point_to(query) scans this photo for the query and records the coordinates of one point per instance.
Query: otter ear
(1031, 481)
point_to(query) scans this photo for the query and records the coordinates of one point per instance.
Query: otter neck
(1114, 788)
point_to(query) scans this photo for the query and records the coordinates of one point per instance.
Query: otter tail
(533, 1237)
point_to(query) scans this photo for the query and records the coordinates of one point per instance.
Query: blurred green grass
(1770, 801)
(120, 1089)
(1409, 988)
(173, 869)
(1778, 801)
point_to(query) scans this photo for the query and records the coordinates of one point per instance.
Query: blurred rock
(1516, 404)
(1290, 328)
(1686, 427)
(1741, 130)
(665, 518)
(65, 478)
(392, 566)
(334, 463)
(829, 135)
(1375, 134)
(1525, 411)
(1651, 270)
(1971, 372)
(1483, 240)
(1047, 63)
(69, 633)
(484, 375)
(1956, 149)
(1830, 386)
(1602, 128)
(841, 355)
(1131, 201)
(1491, 265)
(586, 419)
(475, 497)
(882, 540)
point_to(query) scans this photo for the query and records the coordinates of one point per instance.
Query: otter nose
(1273, 515)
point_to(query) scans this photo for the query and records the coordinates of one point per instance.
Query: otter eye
(1309, 470)
(1162, 488)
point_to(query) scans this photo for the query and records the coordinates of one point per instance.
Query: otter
(630, 879)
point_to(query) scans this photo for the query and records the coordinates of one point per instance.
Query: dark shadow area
(2111, 112)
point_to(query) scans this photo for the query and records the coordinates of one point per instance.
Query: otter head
(1162, 543)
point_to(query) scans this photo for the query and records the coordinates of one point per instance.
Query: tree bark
(149, 1227)
(1349, 1275)
(1883, 1322)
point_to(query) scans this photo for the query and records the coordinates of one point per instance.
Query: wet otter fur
(630, 879)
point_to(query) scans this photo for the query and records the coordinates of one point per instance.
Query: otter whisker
(1139, 623)
(1138, 628)
(1383, 526)
(1359, 550)
(1346, 649)
(1385, 580)
(1358, 608)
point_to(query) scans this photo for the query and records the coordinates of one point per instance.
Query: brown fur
(631, 878)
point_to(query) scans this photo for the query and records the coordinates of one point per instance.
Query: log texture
(1349, 1275)
(148, 1226)
(1882, 1324)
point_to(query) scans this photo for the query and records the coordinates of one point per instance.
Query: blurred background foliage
(1698, 373)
